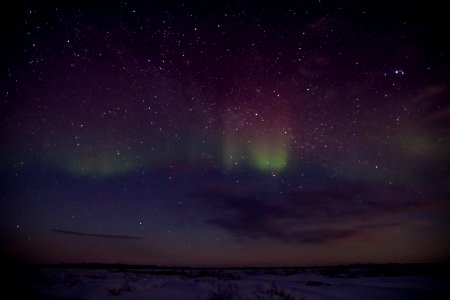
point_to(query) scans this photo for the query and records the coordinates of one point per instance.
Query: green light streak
(267, 159)
(99, 165)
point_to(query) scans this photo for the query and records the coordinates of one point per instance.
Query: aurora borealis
(225, 133)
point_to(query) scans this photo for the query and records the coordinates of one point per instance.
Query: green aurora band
(269, 158)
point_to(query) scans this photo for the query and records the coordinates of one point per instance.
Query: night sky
(224, 133)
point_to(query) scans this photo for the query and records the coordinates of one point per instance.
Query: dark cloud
(259, 229)
(96, 235)
(311, 215)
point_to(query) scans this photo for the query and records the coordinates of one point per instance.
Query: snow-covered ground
(311, 283)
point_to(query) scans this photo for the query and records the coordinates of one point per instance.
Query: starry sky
(224, 133)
